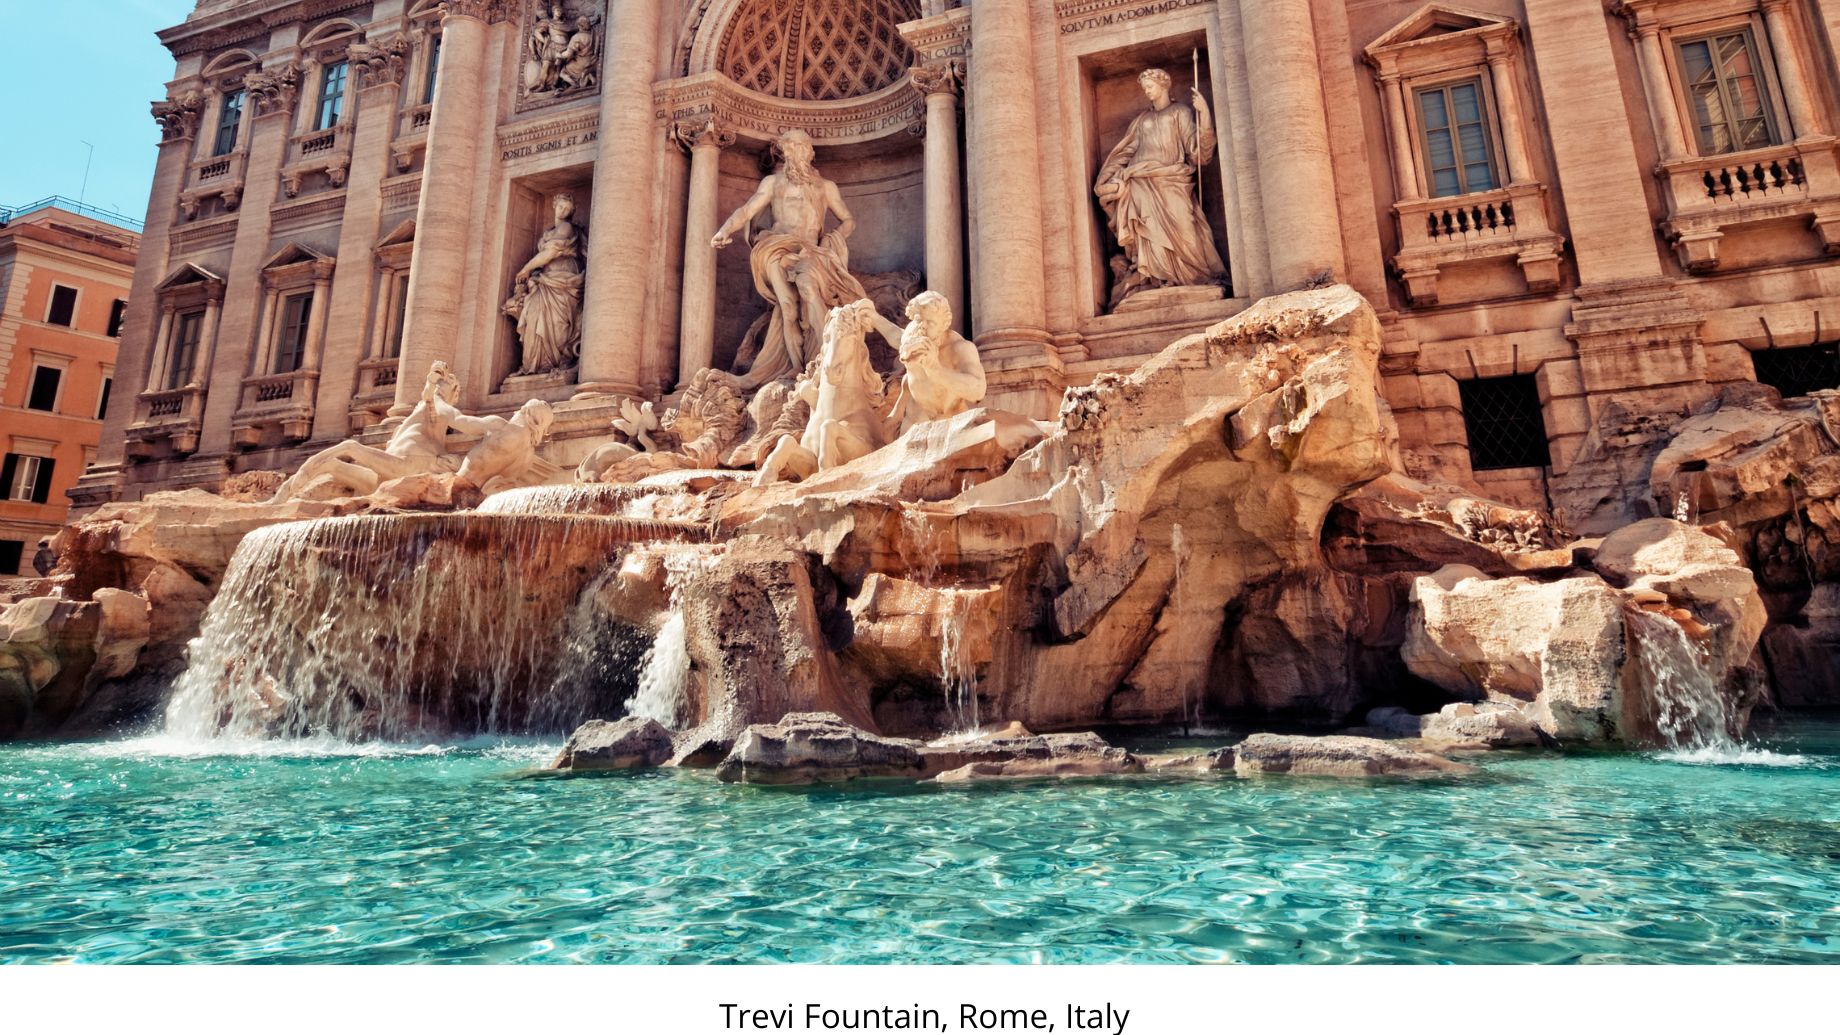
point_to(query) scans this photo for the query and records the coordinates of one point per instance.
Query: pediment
(188, 273)
(403, 234)
(1433, 21)
(294, 254)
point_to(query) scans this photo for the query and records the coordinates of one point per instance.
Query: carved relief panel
(559, 51)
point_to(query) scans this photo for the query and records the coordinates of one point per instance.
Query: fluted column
(705, 140)
(1669, 137)
(1802, 110)
(443, 217)
(316, 319)
(945, 206)
(1008, 310)
(1405, 162)
(207, 346)
(1508, 105)
(1290, 127)
(162, 350)
(620, 230)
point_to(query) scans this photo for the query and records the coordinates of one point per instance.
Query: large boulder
(1027, 756)
(1274, 753)
(811, 747)
(629, 743)
(55, 653)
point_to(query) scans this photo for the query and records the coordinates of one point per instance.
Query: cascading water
(1688, 708)
(664, 676)
(1179, 550)
(396, 626)
(957, 667)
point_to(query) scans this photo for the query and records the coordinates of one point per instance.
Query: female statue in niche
(1147, 188)
(546, 296)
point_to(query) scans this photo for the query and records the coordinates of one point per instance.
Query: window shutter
(41, 493)
(7, 471)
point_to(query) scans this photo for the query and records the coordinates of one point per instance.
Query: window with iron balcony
(1739, 126)
(1451, 84)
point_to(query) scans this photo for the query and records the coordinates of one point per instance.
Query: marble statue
(797, 267)
(504, 458)
(546, 295)
(565, 52)
(847, 414)
(945, 376)
(1147, 188)
(419, 446)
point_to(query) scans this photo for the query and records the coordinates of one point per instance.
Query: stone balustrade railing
(1709, 196)
(284, 400)
(1508, 222)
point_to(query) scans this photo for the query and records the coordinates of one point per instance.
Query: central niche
(817, 50)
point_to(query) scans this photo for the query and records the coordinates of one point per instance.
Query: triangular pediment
(188, 273)
(1434, 20)
(403, 234)
(292, 254)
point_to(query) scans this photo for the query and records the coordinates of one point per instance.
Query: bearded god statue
(798, 268)
(546, 295)
(1147, 189)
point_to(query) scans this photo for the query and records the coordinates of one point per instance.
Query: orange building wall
(36, 256)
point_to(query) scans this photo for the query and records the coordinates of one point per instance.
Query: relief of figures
(564, 50)
(546, 296)
(1147, 188)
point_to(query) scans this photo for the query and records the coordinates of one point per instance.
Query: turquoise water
(140, 852)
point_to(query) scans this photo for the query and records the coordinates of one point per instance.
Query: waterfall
(957, 668)
(397, 626)
(664, 676)
(1689, 709)
(1178, 550)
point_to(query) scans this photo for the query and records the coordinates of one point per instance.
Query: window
(393, 344)
(184, 350)
(331, 97)
(434, 68)
(291, 347)
(1502, 416)
(45, 384)
(229, 120)
(1798, 371)
(102, 403)
(118, 311)
(12, 551)
(63, 306)
(26, 479)
(1726, 93)
(1459, 156)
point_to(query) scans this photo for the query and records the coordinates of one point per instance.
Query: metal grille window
(229, 120)
(1459, 157)
(1502, 417)
(1798, 371)
(1731, 111)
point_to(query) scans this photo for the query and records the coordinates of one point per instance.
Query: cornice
(247, 22)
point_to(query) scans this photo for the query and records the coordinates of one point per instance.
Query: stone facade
(1614, 207)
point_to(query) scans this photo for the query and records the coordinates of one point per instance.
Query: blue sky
(76, 70)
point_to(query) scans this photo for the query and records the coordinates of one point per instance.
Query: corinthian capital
(274, 91)
(938, 77)
(178, 116)
(379, 64)
(483, 10)
(702, 131)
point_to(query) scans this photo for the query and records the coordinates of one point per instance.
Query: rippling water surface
(150, 851)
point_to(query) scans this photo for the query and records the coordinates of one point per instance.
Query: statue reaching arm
(1204, 130)
(744, 215)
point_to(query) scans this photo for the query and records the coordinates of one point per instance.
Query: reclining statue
(505, 457)
(944, 375)
(419, 446)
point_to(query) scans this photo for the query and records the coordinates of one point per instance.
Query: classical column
(1405, 162)
(1508, 105)
(705, 139)
(945, 215)
(1290, 126)
(162, 350)
(444, 225)
(1008, 308)
(620, 230)
(1802, 111)
(1663, 116)
(207, 345)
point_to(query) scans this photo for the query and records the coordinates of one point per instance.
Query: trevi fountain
(842, 649)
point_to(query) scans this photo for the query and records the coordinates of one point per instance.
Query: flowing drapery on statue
(546, 296)
(802, 271)
(1147, 188)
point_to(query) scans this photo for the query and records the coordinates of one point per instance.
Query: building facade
(64, 281)
(1578, 219)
